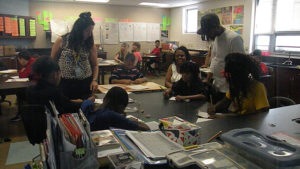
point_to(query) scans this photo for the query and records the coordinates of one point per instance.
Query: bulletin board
(231, 17)
(14, 27)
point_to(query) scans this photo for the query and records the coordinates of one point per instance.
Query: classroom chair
(279, 101)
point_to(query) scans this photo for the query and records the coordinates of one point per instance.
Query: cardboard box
(181, 131)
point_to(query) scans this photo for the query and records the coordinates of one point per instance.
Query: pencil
(215, 136)
(211, 101)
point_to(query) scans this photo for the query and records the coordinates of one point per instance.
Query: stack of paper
(18, 80)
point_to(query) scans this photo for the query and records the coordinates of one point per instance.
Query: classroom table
(12, 88)
(106, 65)
(148, 58)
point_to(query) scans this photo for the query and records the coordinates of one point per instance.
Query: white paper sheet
(98, 101)
(14, 77)
(140, 32)
(110, 33)
(203, 114)
(137, 87)
(125, 31)
(8, 71)
(153, 32)
(200, 120)
(18, 80)
(153, 125)
(58, 28)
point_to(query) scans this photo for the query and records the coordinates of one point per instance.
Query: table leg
(102, 77)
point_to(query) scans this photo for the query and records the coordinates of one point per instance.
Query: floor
(15, 130)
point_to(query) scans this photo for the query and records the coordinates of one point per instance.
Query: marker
(191, 147)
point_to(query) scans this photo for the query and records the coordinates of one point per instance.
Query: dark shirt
(43, 92)
(103, 119)
(181, 88)
(123, 73)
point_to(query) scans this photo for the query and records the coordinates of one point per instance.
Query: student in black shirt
(189, 86)
(46, 88)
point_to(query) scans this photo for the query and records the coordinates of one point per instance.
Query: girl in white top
(181, 56)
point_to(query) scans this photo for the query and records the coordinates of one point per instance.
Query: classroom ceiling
(165, 3)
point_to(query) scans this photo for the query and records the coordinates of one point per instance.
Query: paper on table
(200, 120)
(137, 87)
(104, 153)
(153, 125)
(14, 77)
(9, 71)
(203, 114)
(108, 86)
(18, 80)
(172, 98)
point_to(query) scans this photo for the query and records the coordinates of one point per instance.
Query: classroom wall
(15, 7)
(61, 10)
(194, 41)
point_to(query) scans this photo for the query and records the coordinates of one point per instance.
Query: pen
(215, 136)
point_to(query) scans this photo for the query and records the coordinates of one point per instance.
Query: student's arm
(207, 59)
(191, 97)
(117, 58)
(168, 82)
(25, 72)
(136, 59)
(141, 126)
(95, 69)
(56, 48)
(140, 80)
(220, 106)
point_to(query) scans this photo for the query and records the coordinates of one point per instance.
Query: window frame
(186, 20)
(274, 34)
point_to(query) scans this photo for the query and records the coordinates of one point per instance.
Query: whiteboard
(153, 32)
(110, 33)
(96, 33)
(125, 31)
(58, 28)
(140, 32)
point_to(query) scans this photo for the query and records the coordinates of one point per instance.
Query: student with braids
(246, 94)
(77, 58)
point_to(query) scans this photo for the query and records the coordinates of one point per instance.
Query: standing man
(224, 42)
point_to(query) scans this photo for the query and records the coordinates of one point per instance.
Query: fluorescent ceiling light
(99, 1)
(155, 4)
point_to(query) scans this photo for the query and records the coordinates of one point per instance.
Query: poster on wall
(110, 33)
(226, 15)
(164, 36)
(140, 32)
(96, 33)
(125, 31)
(58, 28)
(238, 14)
(153, 32)
(218, 12)
(237, 28)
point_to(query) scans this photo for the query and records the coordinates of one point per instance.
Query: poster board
(110, 33)
(140, 32)
(125, 31)
(58, 28)
(153, 32)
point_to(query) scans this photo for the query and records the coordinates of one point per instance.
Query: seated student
(127, 73)
(46, 88)
(136, 47)
(25, 61)
(189, 86)
(111, 112)
(246, 94)
(181, 56)
(120, 56)
(256, 54)
(156, 52)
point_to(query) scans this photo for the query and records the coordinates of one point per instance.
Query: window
(277, 26)
(191, 20)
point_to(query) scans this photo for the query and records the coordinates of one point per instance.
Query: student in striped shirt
(127, 73)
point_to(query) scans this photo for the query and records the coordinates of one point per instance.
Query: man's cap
(208, 22)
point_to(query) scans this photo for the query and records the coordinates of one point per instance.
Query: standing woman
(77, 58)
(173, 75)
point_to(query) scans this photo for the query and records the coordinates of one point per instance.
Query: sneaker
(15, 119)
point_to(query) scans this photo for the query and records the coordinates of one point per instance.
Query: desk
(12, 88)
(151, 86)
(105, 65)
(150, 58)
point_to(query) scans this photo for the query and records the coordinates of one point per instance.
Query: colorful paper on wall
(45, 15)
(22, 26)
(237, 28)
(97, 19)
(227, 15)
(32, 29)
(46, 26)
(39, 19)
(125, 20)
(238, 14)
(14, 26)
(110, 20)
(1, 24)
(7, 24)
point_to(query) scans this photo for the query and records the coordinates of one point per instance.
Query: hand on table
(137, 81)
(127, 82)
(167, 93)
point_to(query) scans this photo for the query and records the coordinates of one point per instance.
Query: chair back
(279, 101)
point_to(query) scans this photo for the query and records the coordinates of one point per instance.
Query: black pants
(76, 89)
